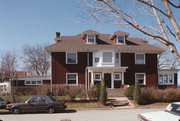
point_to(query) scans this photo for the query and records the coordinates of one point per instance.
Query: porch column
(122, 82)
(92, 77)
(112, 80)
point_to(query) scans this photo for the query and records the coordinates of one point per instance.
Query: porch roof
(107, 69)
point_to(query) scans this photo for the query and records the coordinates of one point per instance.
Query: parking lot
(80, 115)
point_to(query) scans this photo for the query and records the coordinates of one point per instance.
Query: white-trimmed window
(139, 58)
(91, 39)
(166, 79)
(97, 76)
(71, 58)
(141, 77)
(40, 82)
(107, 57)
(71, 78)
(120, 40)
(117, 76)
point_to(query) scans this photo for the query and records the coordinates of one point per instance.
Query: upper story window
(139, 58)
(141, 78)
(71, 58)
(91, 39)
(107, 57)
(120, 40)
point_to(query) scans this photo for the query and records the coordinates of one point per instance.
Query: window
(120, 39)
(107, 57)
(71, 58)
(96, 60)
(91, 39)
(166, 79)
(71, 78)
(139, 58)
(117, 76)
(117, 58)
(141, 78)
(40, 82)
(97, 76)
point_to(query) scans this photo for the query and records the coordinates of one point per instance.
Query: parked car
(37, 104)
(171, 113)
(2, 103)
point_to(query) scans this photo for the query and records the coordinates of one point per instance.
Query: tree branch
(176, 6)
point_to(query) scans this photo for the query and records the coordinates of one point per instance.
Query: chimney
(58, 34)
(58, 38)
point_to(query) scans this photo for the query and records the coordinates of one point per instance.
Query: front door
(107, 79)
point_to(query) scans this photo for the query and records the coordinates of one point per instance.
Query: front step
(118, 92)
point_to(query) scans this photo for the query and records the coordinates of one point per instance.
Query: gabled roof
(77, 43)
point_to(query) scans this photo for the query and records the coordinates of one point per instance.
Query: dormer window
(120, 40)
(91, 39)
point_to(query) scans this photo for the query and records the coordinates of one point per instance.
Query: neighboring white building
(5, 88)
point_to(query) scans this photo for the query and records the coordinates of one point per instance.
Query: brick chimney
(58, 37)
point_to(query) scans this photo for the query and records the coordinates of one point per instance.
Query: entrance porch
(113, 76)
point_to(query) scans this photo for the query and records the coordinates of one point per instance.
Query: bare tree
(8, 65)
(166, 60)
(166, 29)
(36, 59)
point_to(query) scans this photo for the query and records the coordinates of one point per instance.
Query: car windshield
(174, 108)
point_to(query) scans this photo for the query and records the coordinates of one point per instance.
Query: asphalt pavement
(80, 115)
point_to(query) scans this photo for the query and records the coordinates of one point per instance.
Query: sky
(34, 22)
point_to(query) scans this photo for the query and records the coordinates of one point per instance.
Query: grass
(85, 105)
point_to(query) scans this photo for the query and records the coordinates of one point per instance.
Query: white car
(171, 113)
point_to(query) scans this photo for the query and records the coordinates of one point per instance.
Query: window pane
(97, 76)
(39, 82)
(107, 57)
(71, 76)
(121, 39)
(160, 79)
(28, 82)
(170, 78)
(117, 76)
(139, 58)
(117, 58)
(165, 79)
(71, 81)
(91, 39)
(96, 60)
(71, 58)
(33, 82)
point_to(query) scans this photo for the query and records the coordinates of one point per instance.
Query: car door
(41, 104)
(30, 105)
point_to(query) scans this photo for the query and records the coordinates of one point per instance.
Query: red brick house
(90, 56)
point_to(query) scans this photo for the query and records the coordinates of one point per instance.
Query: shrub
(129, 92)
(94, 92)
(103, 93)
(137, 92)
(151, 95)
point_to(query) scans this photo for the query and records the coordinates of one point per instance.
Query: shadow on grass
(64, 111)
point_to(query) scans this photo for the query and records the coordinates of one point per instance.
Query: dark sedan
(37, 104)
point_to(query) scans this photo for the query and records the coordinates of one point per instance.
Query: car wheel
(51, 110)
(16, 110)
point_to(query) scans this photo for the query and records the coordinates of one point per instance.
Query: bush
(137, 92)
(94, 92)
(152, 95)
(103, 93)
(129, 92)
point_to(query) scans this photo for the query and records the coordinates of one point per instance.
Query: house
(32, 80)
(89, 57)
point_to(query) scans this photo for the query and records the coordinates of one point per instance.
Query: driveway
(80, 115)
